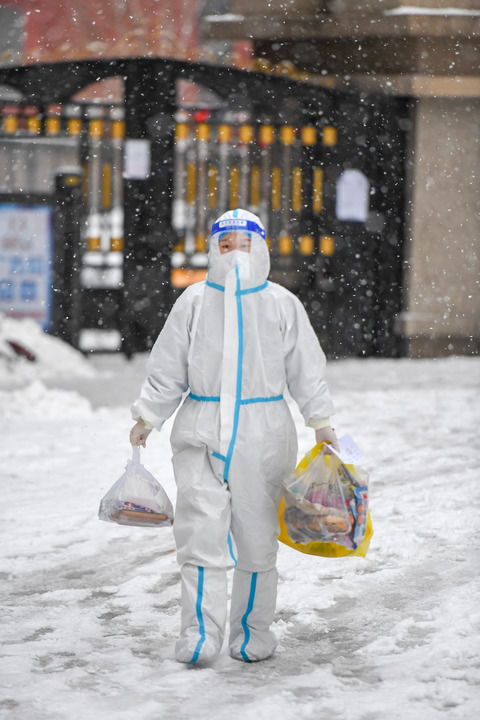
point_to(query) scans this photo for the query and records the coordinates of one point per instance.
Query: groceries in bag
(136, 498)
(324, 508)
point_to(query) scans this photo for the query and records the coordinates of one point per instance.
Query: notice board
(26, 261)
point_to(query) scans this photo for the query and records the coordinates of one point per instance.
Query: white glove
(327, 435)
(139, 433)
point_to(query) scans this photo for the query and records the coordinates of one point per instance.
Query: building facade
(430, 54)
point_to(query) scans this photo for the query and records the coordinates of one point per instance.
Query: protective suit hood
(255, 267)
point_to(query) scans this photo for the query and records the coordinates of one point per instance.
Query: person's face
(235, 240)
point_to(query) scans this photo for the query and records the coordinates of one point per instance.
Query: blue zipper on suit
(238, 389)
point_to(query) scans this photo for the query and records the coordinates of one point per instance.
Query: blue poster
(26, 259)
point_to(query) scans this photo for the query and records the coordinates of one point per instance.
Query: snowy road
(90, 610)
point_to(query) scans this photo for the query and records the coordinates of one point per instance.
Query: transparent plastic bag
(325, 505)
(136, 498)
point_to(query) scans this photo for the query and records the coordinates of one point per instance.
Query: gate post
(68, 218)
(149, 237)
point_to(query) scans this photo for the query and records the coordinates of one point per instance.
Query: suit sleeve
(167, 367)
(305, 364)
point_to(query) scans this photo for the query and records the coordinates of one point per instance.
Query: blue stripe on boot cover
(246, 629)
(201, 624)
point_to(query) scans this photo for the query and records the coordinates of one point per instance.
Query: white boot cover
(254, 596)
(204, 609)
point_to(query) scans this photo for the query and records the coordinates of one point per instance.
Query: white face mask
(237, 258)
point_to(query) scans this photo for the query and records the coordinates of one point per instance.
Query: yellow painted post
(95, 128)
(245, 134)
(52, 120)
(317, 198)
(106, 185)
(33, 120)
(297, 189)
(285, 244)
(203, 137)
(74, 121)
(94, 238)
(94, 221)
(203, 132)
(116, 244)
(191, 195)
(117, 132)
(191, 183)
(306, 245)
(329, 136)
(287, 135)
(234, 186)
(74, 126)
(181, 131)
(212, 187)
(10, 119)
(309, 135)
(276, 188)
(224, 133)
(327, 245)
(266, 135)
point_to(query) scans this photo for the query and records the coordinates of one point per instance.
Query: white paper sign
(137, 159)
(353, 199)
(350, 453)
(26, 240)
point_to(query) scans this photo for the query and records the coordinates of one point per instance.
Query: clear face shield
(234, 237)
(234, 240)
(234, 247)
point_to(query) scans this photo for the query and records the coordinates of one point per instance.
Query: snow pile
(53, 358)
(37, 401)
(420, 10)
(226, 17)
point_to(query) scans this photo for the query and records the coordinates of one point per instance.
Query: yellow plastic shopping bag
(324, 507)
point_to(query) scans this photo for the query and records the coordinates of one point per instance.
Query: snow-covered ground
(90, 610)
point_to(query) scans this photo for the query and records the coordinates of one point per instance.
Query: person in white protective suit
(236, 343)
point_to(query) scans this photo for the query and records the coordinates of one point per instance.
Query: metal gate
(323, 169)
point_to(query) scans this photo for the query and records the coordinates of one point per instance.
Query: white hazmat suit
(235, 343)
